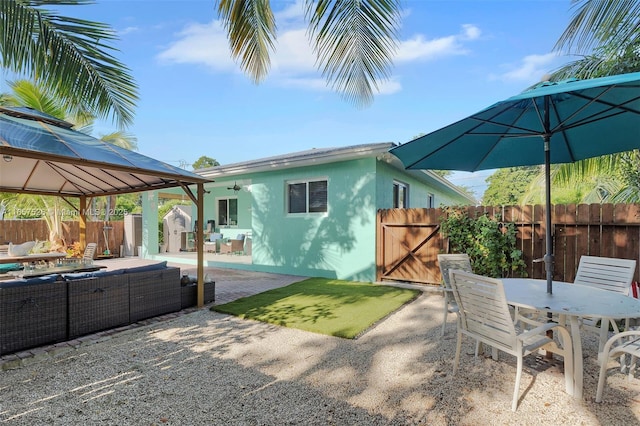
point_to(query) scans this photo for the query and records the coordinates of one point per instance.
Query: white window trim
(431, 200)
(307, 213)
(406, 186)
(231, 197)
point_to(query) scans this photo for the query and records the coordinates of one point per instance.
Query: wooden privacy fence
(409, 240)
(21, 230)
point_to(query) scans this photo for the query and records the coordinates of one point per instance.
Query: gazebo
(42, 155)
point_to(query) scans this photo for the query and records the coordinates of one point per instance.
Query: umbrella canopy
(43, 155)
(553, 122)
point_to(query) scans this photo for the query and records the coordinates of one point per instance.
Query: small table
(36, 257)
(105, 256)
(571, 301)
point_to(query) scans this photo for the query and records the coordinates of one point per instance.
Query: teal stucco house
(309, 213)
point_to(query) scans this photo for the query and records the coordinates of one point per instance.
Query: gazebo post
(200, 244)
(83, 221)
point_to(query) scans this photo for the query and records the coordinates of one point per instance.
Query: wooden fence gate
(409, 240)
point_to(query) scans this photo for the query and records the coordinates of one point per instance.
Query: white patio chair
(484, 315)
(447, 262)
(621, 344)
(607, 274)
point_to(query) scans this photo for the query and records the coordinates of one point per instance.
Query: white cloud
(530, 69)
(293, 53)
(293, 64)
(419, 48)
(471, 32)
(291, 14)
(204, 44)
(128, 30)
(389, 87)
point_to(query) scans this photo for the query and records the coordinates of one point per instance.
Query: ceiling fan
(235, 187)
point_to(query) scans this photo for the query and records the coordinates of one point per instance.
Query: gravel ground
(206, 368)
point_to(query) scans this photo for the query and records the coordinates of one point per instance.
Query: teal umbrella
(553, 122)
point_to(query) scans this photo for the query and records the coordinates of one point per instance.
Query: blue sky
(455, 58)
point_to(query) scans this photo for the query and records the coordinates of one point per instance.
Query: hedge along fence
(20, 230)
(409, 240)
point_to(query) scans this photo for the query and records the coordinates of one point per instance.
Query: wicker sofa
(32, 312)
(56, 308)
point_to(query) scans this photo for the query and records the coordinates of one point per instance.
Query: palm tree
(354, 40)
(70, 56)
(596, 23)
(41, 98)
(593, 180)
(605, 34)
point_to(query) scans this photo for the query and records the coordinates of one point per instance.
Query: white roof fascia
(298, 159)
(325, 156)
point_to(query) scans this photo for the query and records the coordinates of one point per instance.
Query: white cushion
(20, 249)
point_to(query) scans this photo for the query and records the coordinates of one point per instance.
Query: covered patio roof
(42, 155)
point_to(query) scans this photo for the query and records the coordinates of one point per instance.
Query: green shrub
(490, 244)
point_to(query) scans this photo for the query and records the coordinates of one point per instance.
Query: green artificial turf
(334, 307)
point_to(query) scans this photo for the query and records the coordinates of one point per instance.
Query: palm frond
(355, 41)
(571, 174)
(26, 93)
(122, 139)
(251, 30)
(596, 22)
(69, 55)
(626, 194)
(37, 96)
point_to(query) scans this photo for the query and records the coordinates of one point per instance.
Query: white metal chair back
(606, 273)
(89, 252)
(484, 315)
(447, 262)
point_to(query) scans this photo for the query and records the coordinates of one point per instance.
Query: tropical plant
(629, 168)
(606, 37)
(602, 25)
(39, 97)
(72, 57)
(579, 182)
(354, 40)
(490, 244)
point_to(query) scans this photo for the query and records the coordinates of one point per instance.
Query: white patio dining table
(571, 301)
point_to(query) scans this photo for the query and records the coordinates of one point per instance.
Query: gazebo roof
(43, 155)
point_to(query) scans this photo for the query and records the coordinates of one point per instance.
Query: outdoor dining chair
(621, 344)
(447, 262)
(462, 262)
(89, 252)
(484, 315)
(607, 274)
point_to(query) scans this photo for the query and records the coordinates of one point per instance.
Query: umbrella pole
(548, 257)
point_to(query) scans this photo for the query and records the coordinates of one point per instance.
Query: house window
(430, 201)
(227, 211)
(400, 195)
(307, 197)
